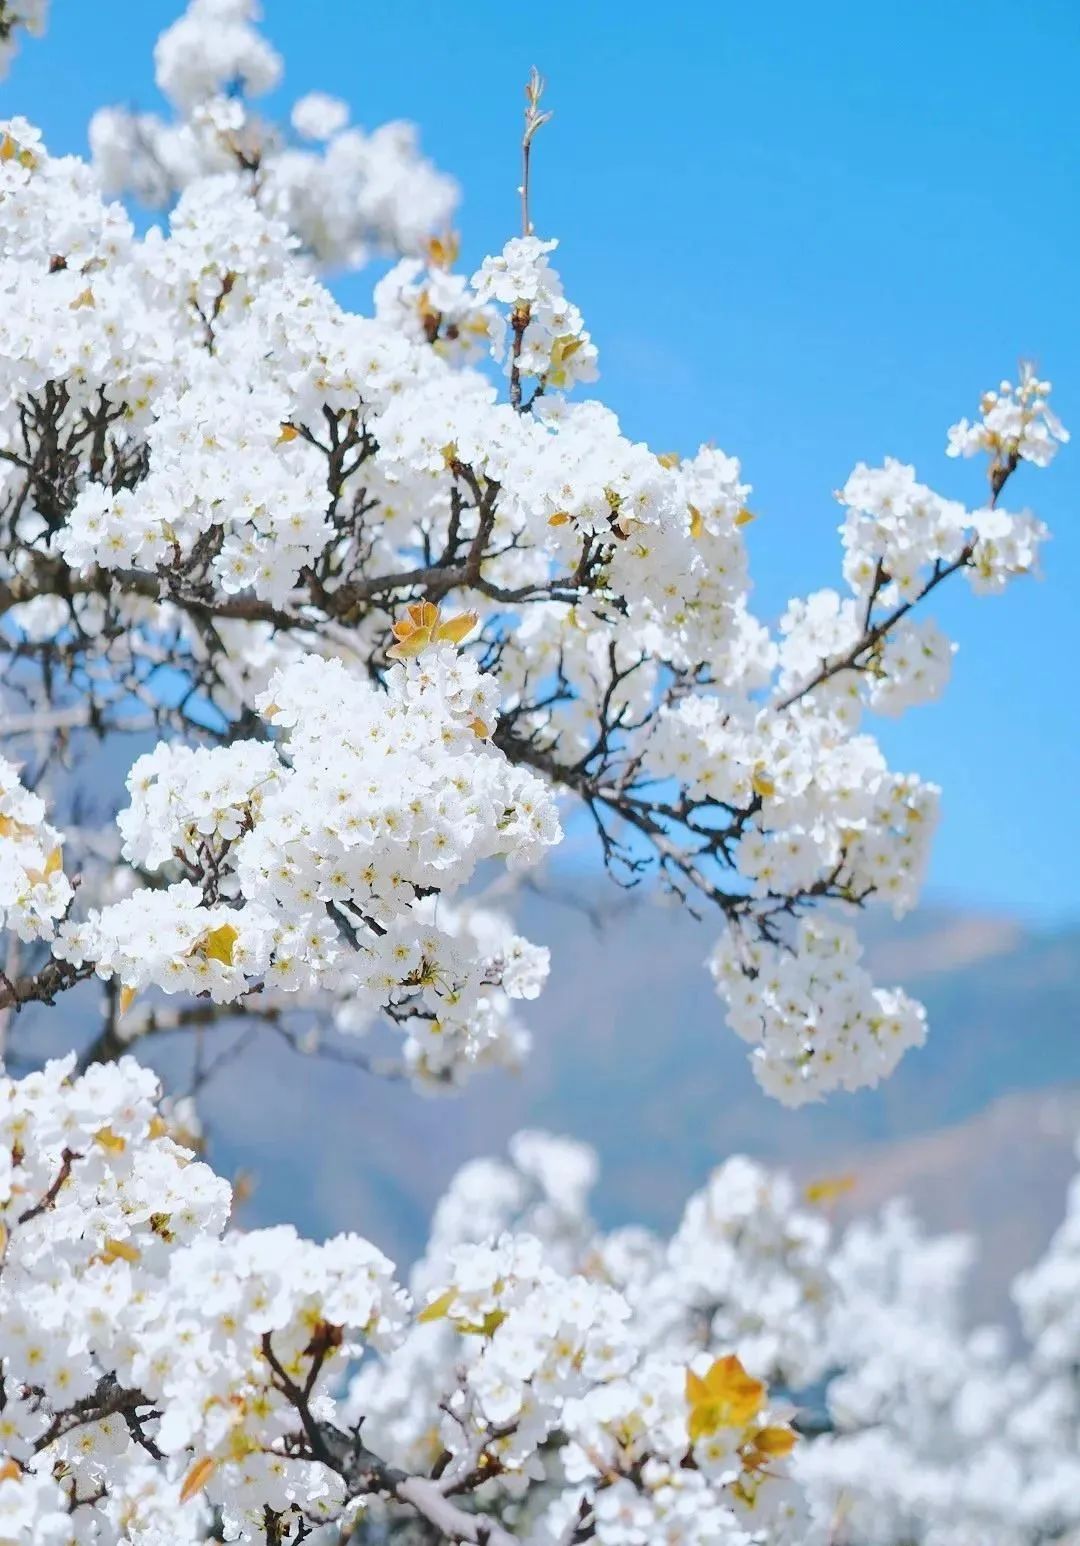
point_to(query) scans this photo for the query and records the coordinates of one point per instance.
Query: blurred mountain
(631, 1053)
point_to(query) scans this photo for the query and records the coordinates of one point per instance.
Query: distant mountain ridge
(632, 1054)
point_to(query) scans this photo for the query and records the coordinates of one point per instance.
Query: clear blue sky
(811, 233)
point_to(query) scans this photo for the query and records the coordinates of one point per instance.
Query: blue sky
(812, 234)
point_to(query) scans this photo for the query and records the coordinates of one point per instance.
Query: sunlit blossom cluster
(160, 1367)
(259, 481)
(319, 861)
(34, 891)
(345, 192)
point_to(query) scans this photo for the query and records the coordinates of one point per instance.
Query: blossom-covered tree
(375, 602)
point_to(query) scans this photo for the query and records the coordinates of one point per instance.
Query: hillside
(631, 1053)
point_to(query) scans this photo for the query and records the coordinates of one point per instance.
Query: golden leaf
(829, 1188)
(485, 1328)
(219, 944)
(119, 1250)
(54, 862)
(443, 250)
(560, 518)
(456, 628)
(127, 998)
(83, 299)
(762, 783)
(10, 1470)
(111, 1142)
(288, 432)
(772, 1443)
(437, 1308)
(668, 458)
(697, 522)
(724, 1397)
(479, 729)
(744, 517)
(197, 1478)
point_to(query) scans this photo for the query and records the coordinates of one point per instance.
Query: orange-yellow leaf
(127, 998)
(437, 1308)
(763, 784)
(479, 729)
(724, 1397)
(829, 1188)
(697, 522)
(197, 1478)
(54, 862)
(775, 1442)
(560, 518)
(288, 432)
(10, 1470)
(119, 1250)
(744, 517)
(442, 250)
(220, 944)
(425, 614)
(457, 628)
(414, 644)
(111, 1142)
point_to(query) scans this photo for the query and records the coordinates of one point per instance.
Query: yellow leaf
(724, 1397)
(3, 1239)
(762, 783)
(774, 1442)
(10, 1470)
(744, 517)
(127, 998)
(479, 729)
(457, 628)
(668, 458)
(54, 862)
(119, 1250)
(560, 518)
(83, 299)
(220, 944)
(437, 1308)
(288, 432)
(424, 614)
(829, 1188)
(442, 250)
(7, 825)
(697, 523)
(197, 1478)
(111, 1142)
(485, 1328)
(415, 644)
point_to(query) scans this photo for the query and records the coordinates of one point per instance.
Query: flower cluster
(345, 192)
(319, 863)
(34, 891)
(550, 340)
(1013, 423)
(155, 1367)
(812, 1014)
